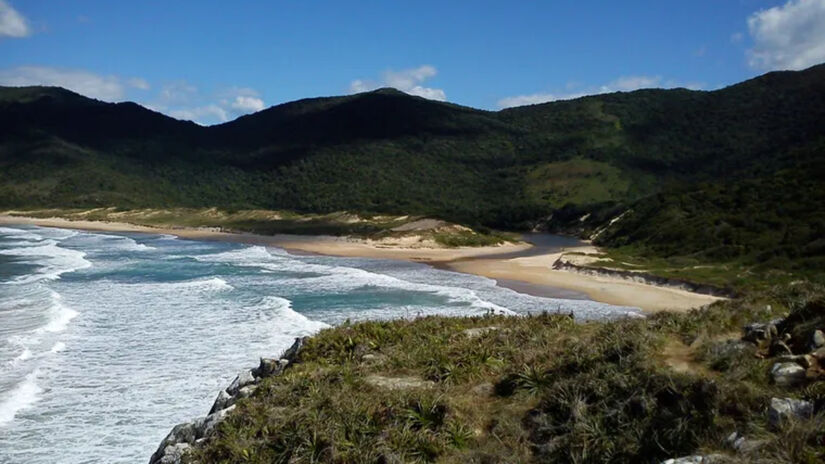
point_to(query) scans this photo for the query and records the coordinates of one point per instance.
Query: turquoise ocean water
(108, 340)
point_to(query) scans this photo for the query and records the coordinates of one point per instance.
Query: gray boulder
(817, 339)
(291, 353)
(804, 360)
(787, 374)
(223, 401)
(184, 436)
(173, 454)
(270, 367)
(742, 444)
(758, 331)
(243, 379)
(247, 391)
(784, 409)
(170, 449)
(696, 459)
(211, 421)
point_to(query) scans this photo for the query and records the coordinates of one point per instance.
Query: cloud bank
(178, 99)
(109, 88)
(12, 23)
(791, 36)
(622, 84)
(407, 80)
(182, 100)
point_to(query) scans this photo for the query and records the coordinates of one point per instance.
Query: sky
(211, 61)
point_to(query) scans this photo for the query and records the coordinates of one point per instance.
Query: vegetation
(265, 222)
(540, 388)
(731, 177)
(723, 187)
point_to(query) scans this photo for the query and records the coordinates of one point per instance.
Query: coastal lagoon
(108, 340)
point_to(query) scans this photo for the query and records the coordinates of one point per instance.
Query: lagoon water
(108, 340)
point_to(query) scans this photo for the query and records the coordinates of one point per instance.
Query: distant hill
(724, 174)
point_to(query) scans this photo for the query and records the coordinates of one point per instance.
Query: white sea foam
(58, 347)
(289, 321)
(56, 234)
(53, 260)
(131, 245)
(344, 278)
(24, 355)
(59, 318)
(110, 243)
(19, 234)
(248, 256)
(141, 312)
(21, 397)
(213, 284)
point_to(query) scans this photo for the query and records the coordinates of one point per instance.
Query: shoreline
(538, 270)
(532, 275)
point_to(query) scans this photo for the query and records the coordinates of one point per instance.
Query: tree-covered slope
(720, 171)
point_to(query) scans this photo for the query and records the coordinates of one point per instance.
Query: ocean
(108, 340)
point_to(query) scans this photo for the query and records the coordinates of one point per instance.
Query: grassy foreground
(542, 388)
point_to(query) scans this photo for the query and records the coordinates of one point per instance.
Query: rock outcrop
(744, 445)
(794, 344)
(785, 409)
(788, 374)
(176, 446)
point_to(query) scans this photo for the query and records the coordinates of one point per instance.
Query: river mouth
(542, 244)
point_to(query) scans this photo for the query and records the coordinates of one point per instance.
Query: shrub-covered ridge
(542, 388)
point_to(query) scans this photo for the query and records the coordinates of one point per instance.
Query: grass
(737, 274)
(269, 222)
(541, 388)
(470, 239)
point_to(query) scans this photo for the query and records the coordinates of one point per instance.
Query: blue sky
(211, 61)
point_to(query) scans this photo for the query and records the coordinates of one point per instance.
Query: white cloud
(791, 36)
(109, 88)
(536, 98)
(407, 80)
(183, 100)
(12, 23)
(246, 104)
(358, 86)
(138, 83)
(630, 83)
(241, 100)
(622, 84)
(200, 114)
(178, 99)
(178, 92)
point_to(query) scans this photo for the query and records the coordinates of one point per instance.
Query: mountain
(723, 174)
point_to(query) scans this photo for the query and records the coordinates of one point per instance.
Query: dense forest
(729, 174)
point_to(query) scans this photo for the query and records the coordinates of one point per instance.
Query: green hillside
(732, 174)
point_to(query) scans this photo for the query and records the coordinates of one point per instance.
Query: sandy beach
(318, 244)
(534, 272)
(538, 270)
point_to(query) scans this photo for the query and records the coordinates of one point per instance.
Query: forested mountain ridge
(722, 174)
